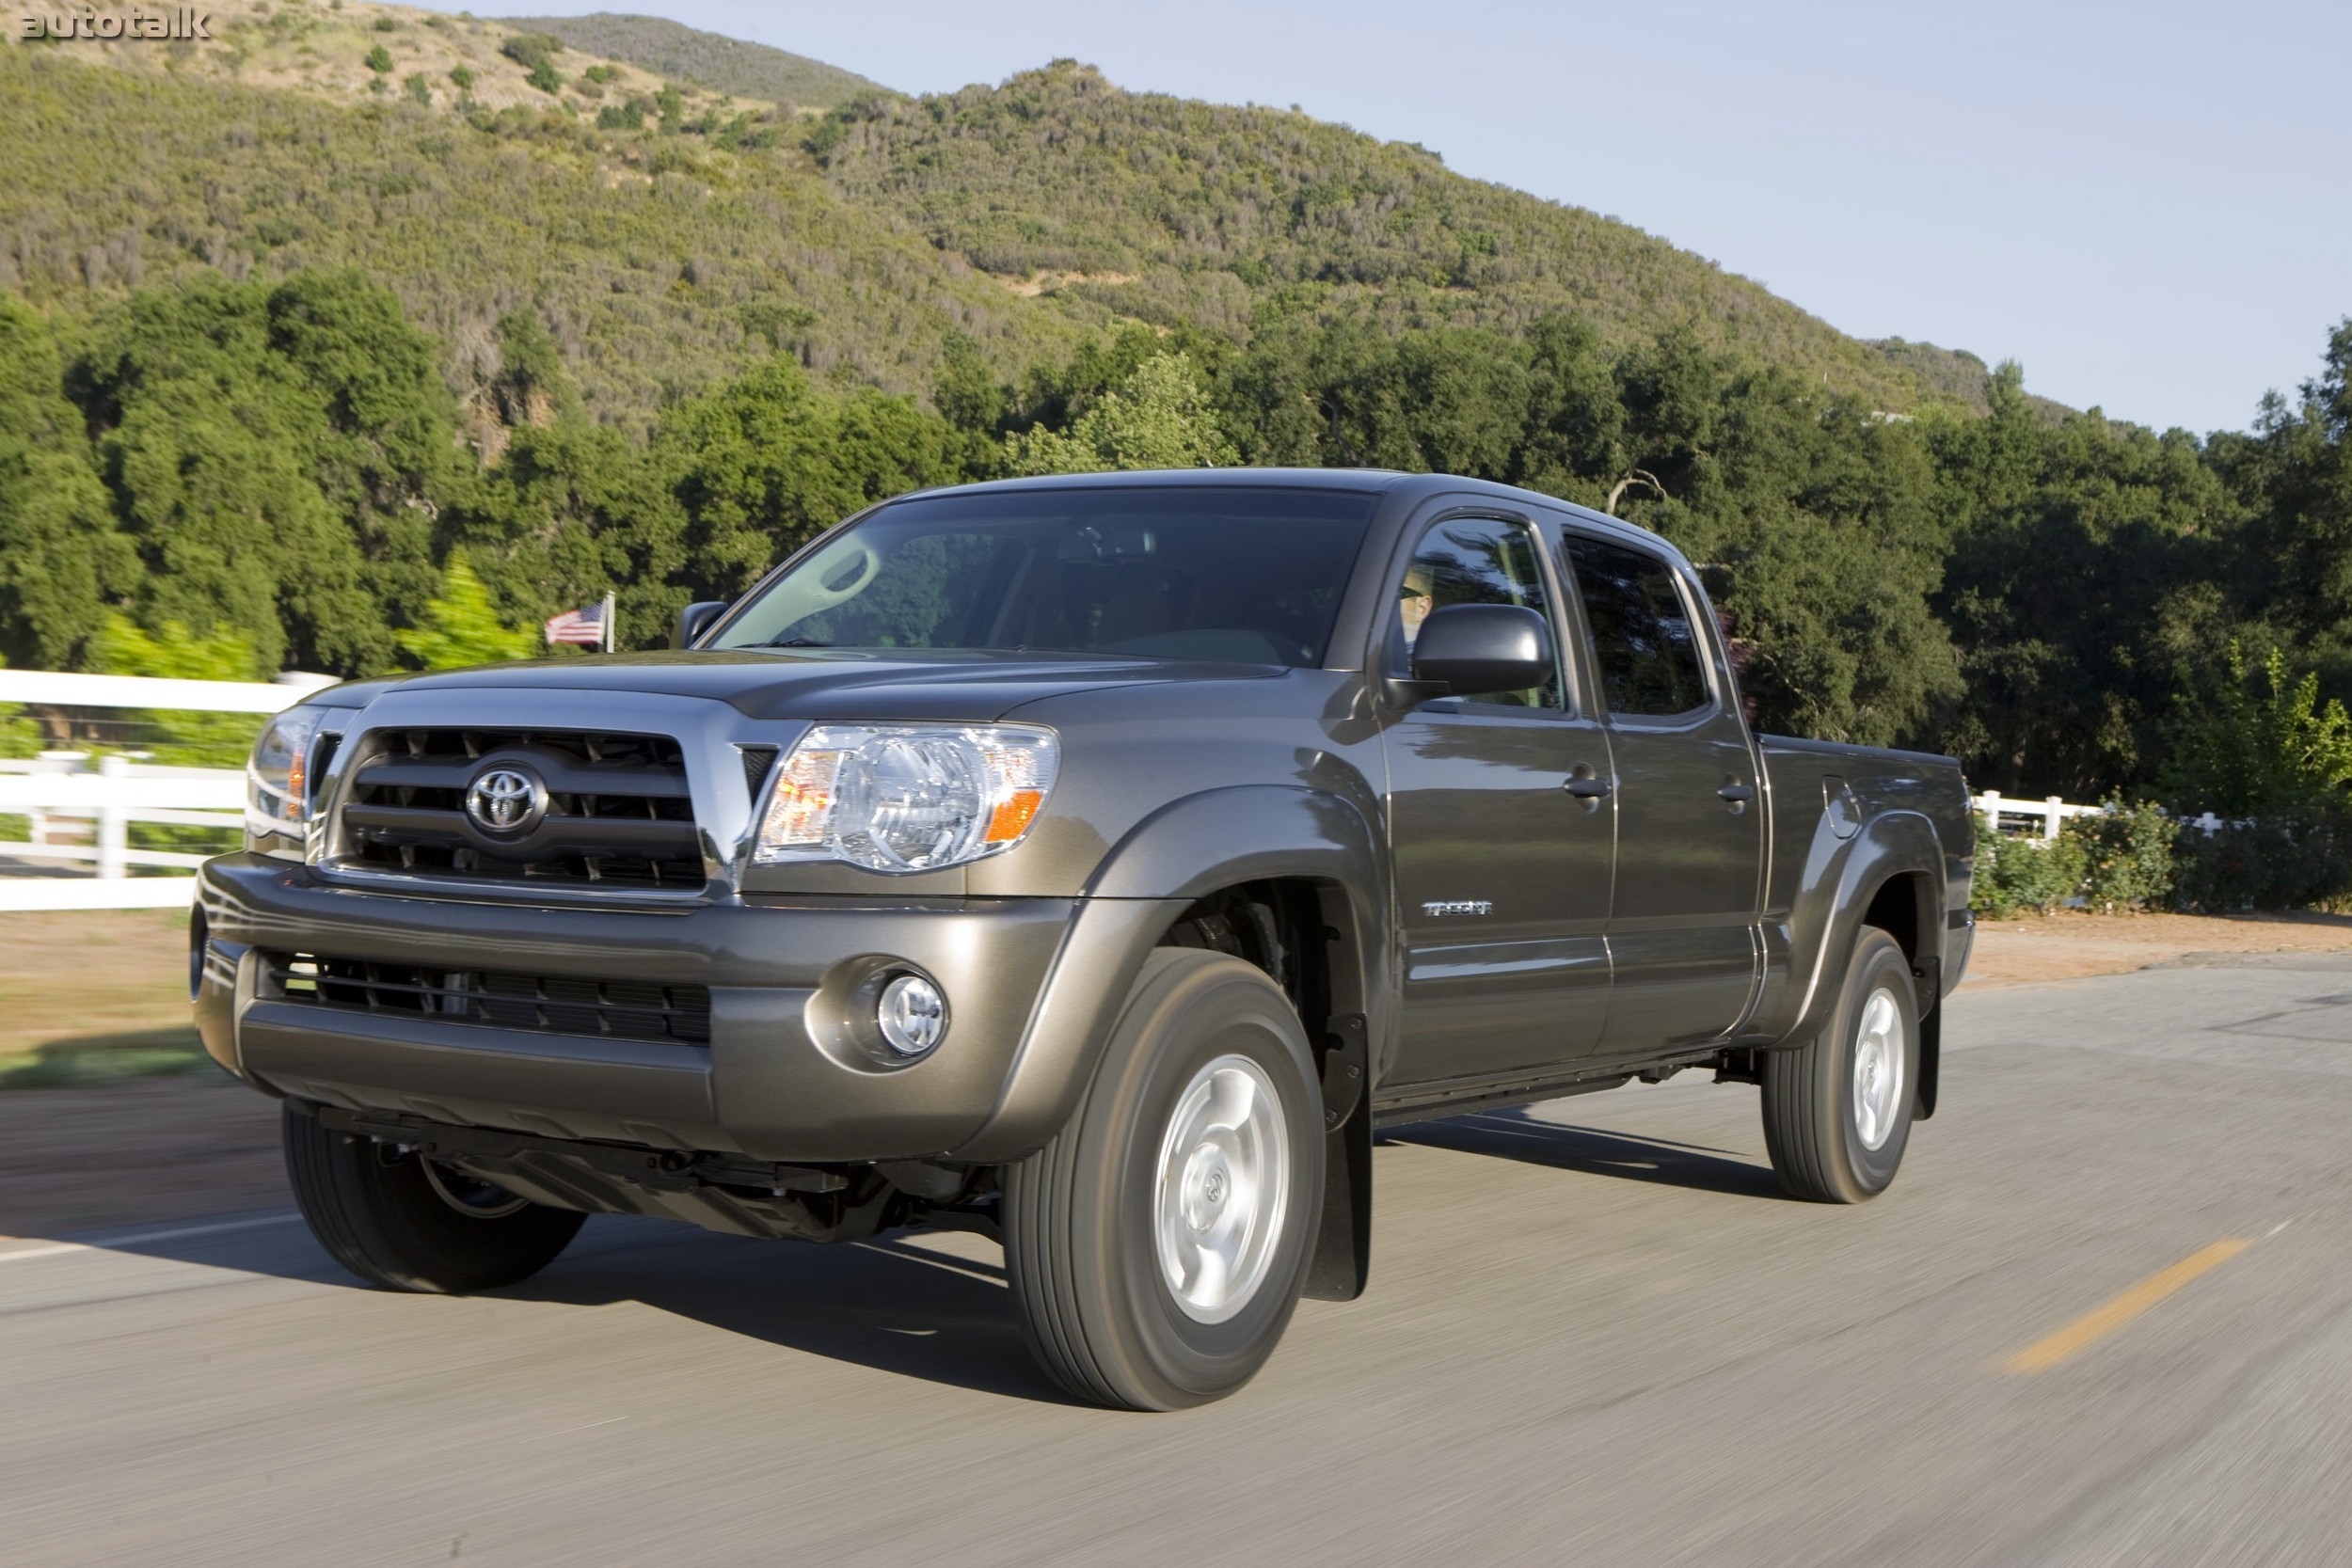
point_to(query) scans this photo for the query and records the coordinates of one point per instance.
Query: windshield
(1244, 575)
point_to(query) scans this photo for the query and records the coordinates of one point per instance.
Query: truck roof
(1365, 481)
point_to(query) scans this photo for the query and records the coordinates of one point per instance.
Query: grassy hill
(686, 53)
(1165, 208)
(661, 261)
(674, 226)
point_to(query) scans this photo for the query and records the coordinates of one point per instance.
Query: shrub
(420, 87)
(2280, 862)
(2128, 855)
(2014, 874)
(462, 76)
(542, 76)
(379, 60)
(463, 627)
(533, 50)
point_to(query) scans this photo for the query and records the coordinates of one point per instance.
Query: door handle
(1585, 787)
(1738, 794)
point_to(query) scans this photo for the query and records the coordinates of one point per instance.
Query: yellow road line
(2097, 1324)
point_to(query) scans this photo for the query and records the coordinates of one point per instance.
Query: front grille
(549, 1004)
(617, 812)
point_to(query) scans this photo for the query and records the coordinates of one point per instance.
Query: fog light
(911, 1015)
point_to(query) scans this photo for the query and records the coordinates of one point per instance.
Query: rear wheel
(1837, 1111)
(401, 1220)
(1157, 1245)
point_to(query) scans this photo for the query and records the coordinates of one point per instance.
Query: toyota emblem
(506, 801)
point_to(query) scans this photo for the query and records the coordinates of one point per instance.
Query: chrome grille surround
(679, 768)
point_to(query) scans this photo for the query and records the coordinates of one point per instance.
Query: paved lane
(1596, 1335)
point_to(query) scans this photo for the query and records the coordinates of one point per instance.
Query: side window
(1649, 652)
(1475, 560)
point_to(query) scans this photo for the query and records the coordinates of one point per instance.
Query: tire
(1138, 1288)
(1837, 1134)
(398, 1221)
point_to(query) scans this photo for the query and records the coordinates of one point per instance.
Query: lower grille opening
(550, 1004)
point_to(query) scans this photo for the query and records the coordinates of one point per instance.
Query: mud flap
(1342, 1259)
(1930, 1053)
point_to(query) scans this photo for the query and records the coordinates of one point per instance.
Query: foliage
(2016, 873)
(2129, 852)
(727, 65)
(61, 559)
(379, 60)
(193, 739)
(2259, 744)
(2276, 863)
(1159, 415)
(462, 628)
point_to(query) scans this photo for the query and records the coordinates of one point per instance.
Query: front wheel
(1157, 1245)
(1837, 1111)
(401, 1220)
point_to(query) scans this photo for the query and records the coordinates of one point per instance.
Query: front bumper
(769, 1084)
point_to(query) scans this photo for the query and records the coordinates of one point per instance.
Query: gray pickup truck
(1093, 863)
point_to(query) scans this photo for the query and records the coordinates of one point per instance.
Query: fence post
(114, 833)
(2055, 815)
(1989, 805)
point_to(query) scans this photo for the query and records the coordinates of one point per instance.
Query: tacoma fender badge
(1444, 907)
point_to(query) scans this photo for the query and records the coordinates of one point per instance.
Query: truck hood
(953, 685)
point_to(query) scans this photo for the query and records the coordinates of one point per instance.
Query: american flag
(590, 627)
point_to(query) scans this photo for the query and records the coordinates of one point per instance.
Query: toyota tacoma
(1094, 863)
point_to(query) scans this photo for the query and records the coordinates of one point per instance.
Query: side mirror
(1473, 648)
(695, 619)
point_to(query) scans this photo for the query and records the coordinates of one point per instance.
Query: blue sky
(2148, 205)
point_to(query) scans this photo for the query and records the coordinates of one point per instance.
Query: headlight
(277, 783)
(902, 798)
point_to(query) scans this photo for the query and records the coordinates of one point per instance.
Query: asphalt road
(1596, 1335)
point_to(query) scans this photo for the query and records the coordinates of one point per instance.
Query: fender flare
(1186, 849)
(1895, 844)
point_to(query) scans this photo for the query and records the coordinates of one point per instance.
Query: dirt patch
(1047, 281)
(2068, 945)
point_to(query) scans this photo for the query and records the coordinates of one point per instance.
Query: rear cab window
(1646, 649)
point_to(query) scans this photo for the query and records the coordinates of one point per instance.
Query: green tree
(193, 739)
(2260, 742)
(1161, 415)
(62, 561)
(379, 60)
(461, 627)
(276, 453)
(764, 464)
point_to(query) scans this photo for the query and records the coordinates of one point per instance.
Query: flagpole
(608, 622)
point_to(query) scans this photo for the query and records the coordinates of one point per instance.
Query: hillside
(673, 234)
(684, 54)
(661, 263)
(1169, 209)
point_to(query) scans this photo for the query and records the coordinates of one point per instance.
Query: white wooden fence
(2043, 818)
(79, 812)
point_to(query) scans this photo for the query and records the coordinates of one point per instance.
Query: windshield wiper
(794, 643)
